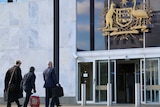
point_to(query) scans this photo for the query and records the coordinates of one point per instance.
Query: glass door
(150, 82)
(86, 67)
(102, 80)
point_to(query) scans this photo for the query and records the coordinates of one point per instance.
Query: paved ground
(117, 105)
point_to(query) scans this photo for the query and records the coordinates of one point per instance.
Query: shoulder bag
(11, 87)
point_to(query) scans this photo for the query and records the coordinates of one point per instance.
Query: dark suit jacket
(50, 79)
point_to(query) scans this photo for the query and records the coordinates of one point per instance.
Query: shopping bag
(57, 91)
(34, 100)
(5, 95)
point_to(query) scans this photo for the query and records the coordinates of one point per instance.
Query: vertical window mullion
(91, 24)
(56, 37)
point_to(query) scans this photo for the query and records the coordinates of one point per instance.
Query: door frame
(141, 67)
(142, 81)
(143, 85)
(79, 83)
(110, 73)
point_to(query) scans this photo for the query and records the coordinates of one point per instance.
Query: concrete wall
(68, 46)
(26, 30)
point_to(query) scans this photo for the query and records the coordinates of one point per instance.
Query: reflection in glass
(102, 79)
(152, 80)
(83, 25)
(99, 19)
(89, 81)
(125, 41)
(150, 39)
(153, 38)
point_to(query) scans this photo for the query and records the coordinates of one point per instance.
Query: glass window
(117, 41)
(83, 25)
(126, 40)
(99, 23)
(153, 38)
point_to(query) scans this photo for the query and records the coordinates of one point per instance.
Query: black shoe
(59, 105)
(19, 105)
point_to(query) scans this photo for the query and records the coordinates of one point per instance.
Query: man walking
(50, 81)
(29, 84)
(13, 79)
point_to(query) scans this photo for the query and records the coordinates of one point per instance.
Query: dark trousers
(57, 101)
(48, 92)
(17, 102)
(28, 94)
(54, 100)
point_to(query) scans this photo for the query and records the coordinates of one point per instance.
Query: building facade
(26, 29)
(119, 60)
(114, 51)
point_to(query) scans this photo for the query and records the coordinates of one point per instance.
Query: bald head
(50, 64)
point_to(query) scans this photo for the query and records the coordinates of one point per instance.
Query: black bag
(57, 91)
(5, 95)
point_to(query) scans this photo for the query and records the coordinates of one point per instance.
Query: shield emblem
(123, 16)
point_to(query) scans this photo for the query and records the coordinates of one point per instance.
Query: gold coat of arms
(127, 20)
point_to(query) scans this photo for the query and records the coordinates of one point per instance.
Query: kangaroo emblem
(109, 19)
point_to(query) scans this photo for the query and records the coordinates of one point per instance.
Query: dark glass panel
(153, 38)
(99, 19)
(132, 42)
(126, 40)
(116, 42)
(83, 25)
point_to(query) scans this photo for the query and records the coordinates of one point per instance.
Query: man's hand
(57, 84)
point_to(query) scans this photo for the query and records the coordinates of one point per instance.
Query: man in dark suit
(50, 82)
